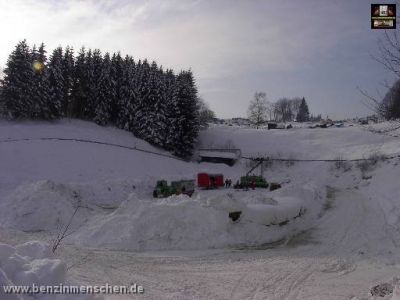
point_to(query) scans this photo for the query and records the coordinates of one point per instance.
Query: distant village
(320, 122)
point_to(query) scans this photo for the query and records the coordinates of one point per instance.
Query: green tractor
(163, 190)
(247, 181)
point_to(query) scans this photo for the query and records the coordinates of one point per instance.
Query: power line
(318, 160)
(262, 158)
(92, 142)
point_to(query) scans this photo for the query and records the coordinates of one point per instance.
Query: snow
(181, 222)
(328, 233)
(222, 154)
(39, 206)
(31, 263)
(302, 143)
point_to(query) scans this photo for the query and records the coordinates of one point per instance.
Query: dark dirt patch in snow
(382, 290)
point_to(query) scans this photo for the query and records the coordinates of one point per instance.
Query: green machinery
(250, 180)
(259, 181)
(163, 190)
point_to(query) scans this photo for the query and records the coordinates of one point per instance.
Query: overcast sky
(318, 49)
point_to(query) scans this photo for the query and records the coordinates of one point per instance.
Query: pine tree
(127, 95)
(173, 111)
(91, 64)
(68, 67)
(49, 107)
(56, 79)
(160, 121)
(116, 76)
(153, 127)
(188, 121)
(17, 82)
(79, 91)
(34, 90)
(156, 106)
(303, 114)
(141, 113)
(106, 92)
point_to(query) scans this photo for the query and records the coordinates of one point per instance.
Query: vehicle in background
(210, 181)
(163, 190)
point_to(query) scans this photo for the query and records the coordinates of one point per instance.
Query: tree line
(155, 105)
(284, 110)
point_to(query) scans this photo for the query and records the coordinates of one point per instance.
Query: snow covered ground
(331, 232)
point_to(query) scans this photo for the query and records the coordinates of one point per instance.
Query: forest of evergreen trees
(155, 105)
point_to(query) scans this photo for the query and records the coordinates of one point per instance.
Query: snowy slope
(302, 143)
(330, 232)
(28, 161)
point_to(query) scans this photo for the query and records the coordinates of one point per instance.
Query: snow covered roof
(221, 153)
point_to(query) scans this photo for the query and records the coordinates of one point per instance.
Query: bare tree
(270, 108)
(63, 232)
(257, 111)
(295, 106)
(206, 115)
(389, 48)
(283, 110)
(389, 57)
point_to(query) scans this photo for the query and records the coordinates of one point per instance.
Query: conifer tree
(156, 106)
(172, 111)
(141, 113)
(116, 76)
(17, 82)
(188, 121)
(93, 74)
(50, 108)
(106, 92)
(79, 91)
(152, 125)
(127, 95)
(68, 64)
(160, 107)
(303, 114)
(56, 79)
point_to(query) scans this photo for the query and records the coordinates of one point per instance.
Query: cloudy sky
(319, 49)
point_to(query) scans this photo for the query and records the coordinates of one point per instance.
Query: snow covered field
(331, 232)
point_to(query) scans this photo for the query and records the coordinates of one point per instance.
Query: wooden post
(262, 168)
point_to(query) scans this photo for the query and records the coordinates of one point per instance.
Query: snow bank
(39, 206)
(180, 222)
(28, 264)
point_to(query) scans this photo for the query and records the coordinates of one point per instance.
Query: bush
(370, 163)
(341, 164)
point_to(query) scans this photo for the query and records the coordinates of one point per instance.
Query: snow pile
(31, 263)
(43, 205)
(180, 222)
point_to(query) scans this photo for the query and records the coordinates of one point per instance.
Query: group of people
(228, 183)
